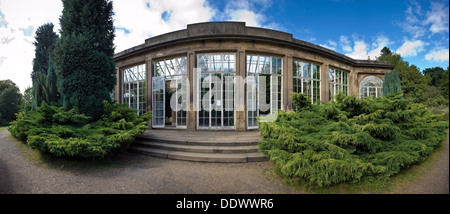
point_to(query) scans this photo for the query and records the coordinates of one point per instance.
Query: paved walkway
(21, 172)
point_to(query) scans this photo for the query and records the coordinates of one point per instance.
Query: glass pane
(316, 72)
(363, 92)
(372, 92)
(158, 91)
(372, 81)
(307, 70)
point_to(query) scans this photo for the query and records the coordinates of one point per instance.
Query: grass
(405, 178)
(3, 127)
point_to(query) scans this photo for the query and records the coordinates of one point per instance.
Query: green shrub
(351, 140)
(68, 134)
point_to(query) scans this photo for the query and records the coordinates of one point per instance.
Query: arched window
(371, 86)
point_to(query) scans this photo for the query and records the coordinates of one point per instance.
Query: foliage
(10, 100)
(351, 140)
(68, 134)
(435, 74)
(413, 83)
(43, 75)
(391, 84)
(82, 57)
(27, 99)
(444, 84)
(433, 97)
(301, 101)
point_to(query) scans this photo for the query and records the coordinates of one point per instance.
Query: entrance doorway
(169, 93)
(215, 87)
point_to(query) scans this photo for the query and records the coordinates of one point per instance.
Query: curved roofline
(237, 30)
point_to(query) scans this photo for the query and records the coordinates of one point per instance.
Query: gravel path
(436, 180)
(132, 173)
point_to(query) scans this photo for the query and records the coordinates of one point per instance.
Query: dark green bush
(351, 140)
(68, 134)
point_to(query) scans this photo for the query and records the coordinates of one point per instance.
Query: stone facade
(235, 37)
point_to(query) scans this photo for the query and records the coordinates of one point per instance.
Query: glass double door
(169, 102)
(216, 103)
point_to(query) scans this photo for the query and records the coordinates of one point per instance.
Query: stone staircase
(203, 146)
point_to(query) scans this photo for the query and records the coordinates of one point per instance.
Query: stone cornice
(238, 31)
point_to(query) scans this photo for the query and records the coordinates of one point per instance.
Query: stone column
(287, 83)
(324, 83)
(118, 86)
(353, 86)
(191, 114)
(148, 97)
(240, 92)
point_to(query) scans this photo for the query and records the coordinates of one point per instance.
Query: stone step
(199, 141)
(198, 148)
(201, 157)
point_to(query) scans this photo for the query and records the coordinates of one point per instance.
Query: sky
(417, 30)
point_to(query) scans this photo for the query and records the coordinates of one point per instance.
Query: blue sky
(417, 30)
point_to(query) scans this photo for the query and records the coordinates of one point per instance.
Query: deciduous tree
(10, 99)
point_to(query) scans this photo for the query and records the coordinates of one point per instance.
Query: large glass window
(338, 82)
(371, 86)
(134, 88)
(170, 92)
(264, 78)
(306, 80)
(216, 90)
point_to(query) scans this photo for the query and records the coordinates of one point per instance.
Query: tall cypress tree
(391, 84)
(85, 71)
(413, 83)
(43, 74)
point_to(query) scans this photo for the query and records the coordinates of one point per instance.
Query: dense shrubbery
(68, 134)
(350, 139)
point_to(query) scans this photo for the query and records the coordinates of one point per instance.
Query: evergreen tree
(444, 84)
(85, 71)
(27, 99)
(43, 74)
(385, 51)
(391, 84)
(413, 83)
(10, 99)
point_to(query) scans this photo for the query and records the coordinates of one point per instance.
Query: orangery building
(225, 75)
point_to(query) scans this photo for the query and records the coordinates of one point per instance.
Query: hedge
(61, 133)
(351, 140)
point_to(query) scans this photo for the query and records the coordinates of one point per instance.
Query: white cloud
(345, 43)
(359, 50)
(143, 22)
(413, 23)
(362, 50)
(18, 23)
(438, 55)
(411, 48)
(378, 45)
(438, 18)
(249, 11)
(330, 45)
(418, 24)
(249, 17)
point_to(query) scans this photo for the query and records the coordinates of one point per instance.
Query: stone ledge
(238, 31)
